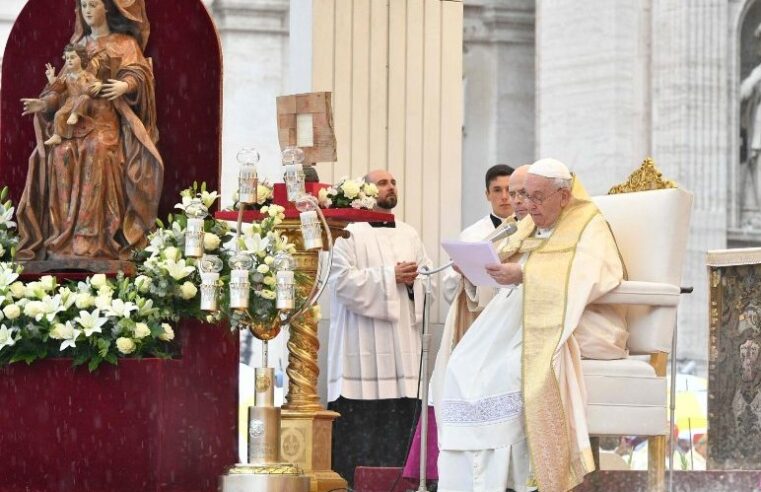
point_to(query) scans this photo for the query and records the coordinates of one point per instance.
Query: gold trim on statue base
(306, 440)
(647, 177)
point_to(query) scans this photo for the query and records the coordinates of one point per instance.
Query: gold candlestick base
(306, 439)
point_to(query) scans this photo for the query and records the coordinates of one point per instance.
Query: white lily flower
(91, 322)
(69, 335)
(146, 308)
(5, 218)
(6, 337)
(256, 244)
(7, 275)
(121, 309)
(185, 202)
(178, 269)
(208, 199)
(51, 306)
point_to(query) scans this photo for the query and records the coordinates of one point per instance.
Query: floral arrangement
(8, 238)
(349, 193)
(101, 319)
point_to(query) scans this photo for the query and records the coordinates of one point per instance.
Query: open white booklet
(472, 258)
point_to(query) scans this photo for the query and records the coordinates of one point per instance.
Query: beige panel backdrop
(395, 70)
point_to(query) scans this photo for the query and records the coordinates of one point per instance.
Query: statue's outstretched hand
(32, 105)
(114, 89)
(50, 73)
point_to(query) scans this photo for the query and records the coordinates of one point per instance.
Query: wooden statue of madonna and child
(95, 175)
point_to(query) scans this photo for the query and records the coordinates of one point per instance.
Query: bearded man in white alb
(510, 406)
(374, 344)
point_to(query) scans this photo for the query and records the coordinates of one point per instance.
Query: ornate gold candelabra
(289, 449)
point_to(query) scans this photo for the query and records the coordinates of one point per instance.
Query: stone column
(499, 85)
(691, 138)
(592, 87)
(254, 37)
(619, 80)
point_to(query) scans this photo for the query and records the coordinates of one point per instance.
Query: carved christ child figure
(76, 84)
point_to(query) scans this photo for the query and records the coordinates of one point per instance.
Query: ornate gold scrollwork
(647, 177)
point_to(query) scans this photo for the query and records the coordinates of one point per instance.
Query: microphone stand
(426, 345)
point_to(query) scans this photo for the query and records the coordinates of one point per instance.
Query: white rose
(269, 280)
(168, 333)
(18, 290)
(125, 345)
(143, 283)
(262, 193)
(84, 300)
(172, 253)
(106, 291)
(103, 303)
(142, 330)
(188, 290)
(58, 332)
(262, 268)
(350, 189)
(48, 282)
(12, 311)
(33, 308)
(2, 250)
(269, 260)
(210, 241)
(371, 189)
(98, 280)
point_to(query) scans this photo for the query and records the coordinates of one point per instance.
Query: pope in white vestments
(510, 403)
(374, 344)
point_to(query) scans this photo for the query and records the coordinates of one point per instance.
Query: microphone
(502, 232)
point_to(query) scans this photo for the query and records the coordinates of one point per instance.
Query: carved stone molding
(490, 21)
(646, 178)
(254, 16)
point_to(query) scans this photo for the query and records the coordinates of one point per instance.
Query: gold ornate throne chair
(650, 219)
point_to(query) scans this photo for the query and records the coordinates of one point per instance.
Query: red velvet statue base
(143, 426)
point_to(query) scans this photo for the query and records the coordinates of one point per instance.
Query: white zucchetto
(550, 168)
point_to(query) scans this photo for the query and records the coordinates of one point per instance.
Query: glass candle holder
(210, 266)
(239, 289)
(209, 291)
(240, 286)
(286, 289)
(194, 233)
(248, 181)
(294, 181)
(311, 230)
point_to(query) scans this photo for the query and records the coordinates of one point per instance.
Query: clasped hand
(406, 272)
